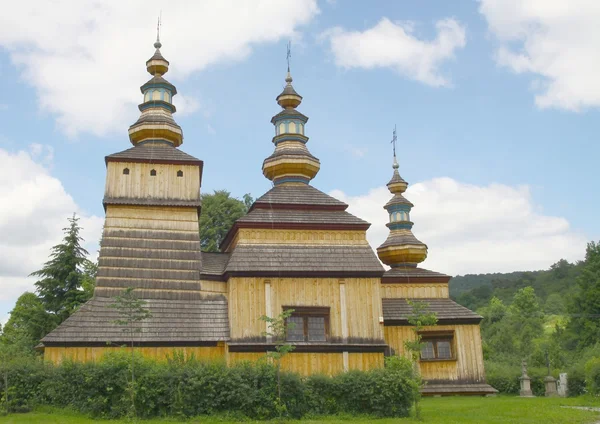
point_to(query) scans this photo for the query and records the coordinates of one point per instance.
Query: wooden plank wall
(468, 365)
(140, 185)
(316, 363)
(415, 291)
(247, 303)
(92, 354)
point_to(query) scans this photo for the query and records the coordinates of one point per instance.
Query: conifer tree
(60, 283)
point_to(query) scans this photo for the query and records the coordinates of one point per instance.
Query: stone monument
(525, 381)
(563, 390)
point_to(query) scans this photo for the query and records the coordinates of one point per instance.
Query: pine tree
(60, 283)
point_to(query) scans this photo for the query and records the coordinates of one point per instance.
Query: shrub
(592, 376)
(186, 388)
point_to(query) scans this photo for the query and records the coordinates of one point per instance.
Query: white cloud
(475, 229)
(395, 45)
(555, 40)
(33, 211)
(357, 152)
(86, 59)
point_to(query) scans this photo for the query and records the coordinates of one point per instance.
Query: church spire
(402, 248)
(156, 123)
(291, 162)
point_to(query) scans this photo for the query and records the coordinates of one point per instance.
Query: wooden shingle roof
(154, 153)
(410, 274)
(301, 216)
(299, 260)
(298, 195)
(397, 311)
(173, 321)
(213, 264)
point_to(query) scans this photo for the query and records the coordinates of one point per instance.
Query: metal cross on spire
(394, 139)
(289, 54)
(158, 24)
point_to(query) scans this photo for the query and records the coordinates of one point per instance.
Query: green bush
(187, 388)
(592, 376)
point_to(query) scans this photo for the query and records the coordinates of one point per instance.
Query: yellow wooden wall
(152, 218)
(468, 352)
(209, 287)
(140, 185)
(316, 363)
(363, 303)
(415, 291)
(92, 354)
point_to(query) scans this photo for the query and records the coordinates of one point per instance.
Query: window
(437, 346)
(180, 173)
(153, 173)
(126, 171)
(308, 324)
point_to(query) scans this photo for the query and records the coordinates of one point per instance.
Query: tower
(150, 242)
(401, 249)
(451, 359)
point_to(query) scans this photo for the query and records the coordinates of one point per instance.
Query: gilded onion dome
(291, 162)
(402, 248)
(156, 123)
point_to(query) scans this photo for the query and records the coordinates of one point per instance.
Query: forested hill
(552, 286)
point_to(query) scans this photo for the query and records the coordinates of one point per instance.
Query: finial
(289, 54)
(394, 139)
(158, 45)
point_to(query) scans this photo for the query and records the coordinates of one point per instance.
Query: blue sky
(495, 114)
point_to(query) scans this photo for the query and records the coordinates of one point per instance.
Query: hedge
(188, 388)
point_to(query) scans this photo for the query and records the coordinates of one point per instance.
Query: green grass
(449, 410)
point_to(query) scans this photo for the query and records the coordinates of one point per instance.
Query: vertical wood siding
(468, 365)
(415, 291)
(316, 363)
(247, 303)
(92, 354)
(140, 185)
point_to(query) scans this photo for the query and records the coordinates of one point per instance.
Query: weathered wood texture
(317, 363)
(213, 287)
(295, 237)
(415, 291)
(139, 184)
(468, 365)
(247, 303)
(153, 249)
(92, 354)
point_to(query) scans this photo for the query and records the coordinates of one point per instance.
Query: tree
(28, 323)
(278, 328)
(584, 308)
(60, 283)
(219, 212)
(132, 312)
(418, 319)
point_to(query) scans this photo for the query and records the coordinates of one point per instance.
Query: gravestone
(550, 383)
(562, 385)
(525, 381)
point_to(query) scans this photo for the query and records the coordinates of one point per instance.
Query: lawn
(449, 410)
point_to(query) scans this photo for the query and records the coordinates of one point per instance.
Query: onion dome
(156, 123)
(291, 162)
(402, 248)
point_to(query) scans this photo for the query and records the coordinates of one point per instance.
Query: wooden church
(297, 248)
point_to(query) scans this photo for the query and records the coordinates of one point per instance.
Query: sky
(495, 104)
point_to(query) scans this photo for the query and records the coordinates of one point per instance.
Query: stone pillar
(563, 390)
(525, 382)
(550, 383)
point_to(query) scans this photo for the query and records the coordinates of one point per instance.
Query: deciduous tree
(219, 212)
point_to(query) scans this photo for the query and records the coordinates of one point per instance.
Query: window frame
(435, 337)
(306, 312)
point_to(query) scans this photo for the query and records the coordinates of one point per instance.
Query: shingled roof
(172, 321)
(154, 153)
(405, 274)
(397, 311)
(304, 260)
(298, 195)
(300, 216)
(213, 265)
